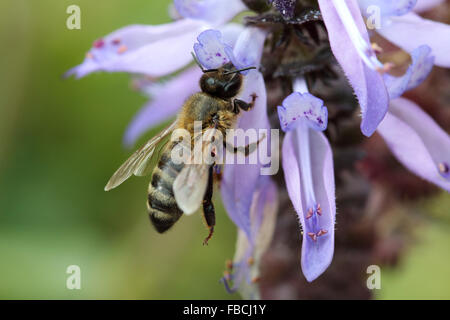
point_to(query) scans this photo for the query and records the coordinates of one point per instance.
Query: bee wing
(189, 187)
(190, 184)
(139, 161)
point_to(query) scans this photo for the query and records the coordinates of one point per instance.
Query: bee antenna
(199, 64)
(196, 61)
(240, 70)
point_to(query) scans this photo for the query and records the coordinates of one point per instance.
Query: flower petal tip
(421, 65)
(318, 256)
(210, 50)
(417, 142)
(301, 108)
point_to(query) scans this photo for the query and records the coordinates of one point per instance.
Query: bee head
(224, 82)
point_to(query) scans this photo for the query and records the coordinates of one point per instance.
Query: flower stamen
(256, 279)
(444, 169)
(376, 48)
(386, 68)
(320, 233)
(100, 43)
(313, 236)
(122, 49)
(229, 265)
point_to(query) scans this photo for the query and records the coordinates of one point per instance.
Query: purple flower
(422, 63)
(157, 50)
(213, 11)
(359, 60)
(244, 273)
(417, 142)
(211, 51)
(309, 176)
(407, 30)
(241, 182)
(387, 8)
(351, 47)
(249, 197)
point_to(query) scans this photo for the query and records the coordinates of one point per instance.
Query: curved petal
(211, 49)
(248, 254)
(248, 49)
(214, 11)
(299, 107)
(240, 180)
(231, 32)
(167, 100)
(153, 50)
(417, 142)
(316, 254)
(421, 65)
(388, 7)
(368, 84)
(411, 31)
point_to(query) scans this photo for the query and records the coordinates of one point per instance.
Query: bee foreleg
(247, 150)
(208, 207)
(242, 105)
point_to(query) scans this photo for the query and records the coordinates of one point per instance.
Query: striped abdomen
(162, 207)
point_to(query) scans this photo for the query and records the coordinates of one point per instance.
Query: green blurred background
(59, 143)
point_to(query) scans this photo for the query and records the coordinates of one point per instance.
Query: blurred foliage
(59, 143)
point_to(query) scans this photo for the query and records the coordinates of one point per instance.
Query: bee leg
(242, 105)
(208, 207)
(217, 173)
(247, 150)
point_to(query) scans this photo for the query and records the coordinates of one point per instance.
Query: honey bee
(182, 188)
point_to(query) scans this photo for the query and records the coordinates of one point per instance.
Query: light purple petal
(263, 217)
(248, 49)
(164, 103)
(421, 65)
(424, 5)
(152, 50)
(213, 11)
(240, 180)
(368, 84)
(388, 7)
(299, 107)
(411, 31)
(210, 49)
(316, 255)
(230, 33)
(417, 142)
